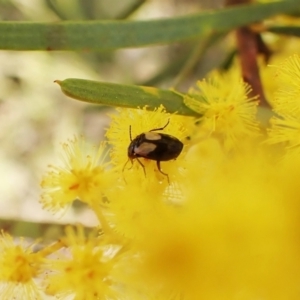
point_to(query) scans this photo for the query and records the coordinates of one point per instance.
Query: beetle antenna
(161, 128)
(166, 124)
(130, 133)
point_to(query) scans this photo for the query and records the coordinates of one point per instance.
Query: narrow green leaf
(124, 95)
(47, 231)
(106, 35)
(133, 96)
(286, 30)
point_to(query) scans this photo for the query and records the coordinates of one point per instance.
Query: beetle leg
(126, 164)
(159, 169)
(142, 166)
(124, 169)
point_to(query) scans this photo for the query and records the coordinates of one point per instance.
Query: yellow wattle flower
(234, 236)
(137, 194)
(84, 175)
(140, 121)
(285, 126)
(228, 111)
(21, 268)
(83, 271)
(287, 96)
(226, 227)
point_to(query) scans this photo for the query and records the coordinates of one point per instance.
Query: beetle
(154, 146)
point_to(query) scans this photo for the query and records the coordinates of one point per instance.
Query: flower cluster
(223, 224)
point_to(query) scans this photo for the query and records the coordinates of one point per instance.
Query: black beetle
(154, 146)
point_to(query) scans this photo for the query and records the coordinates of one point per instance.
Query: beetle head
(130, 152)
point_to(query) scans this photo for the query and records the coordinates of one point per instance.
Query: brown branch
(249, 45)
(248, 51)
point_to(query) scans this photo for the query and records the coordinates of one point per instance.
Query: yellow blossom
(83, 175)
(141, 120)
(286, 101)
(20, 267)
(285, 127)
(287, 131)
(231, 239)
(83, 270)
(138, 194)
(129, 205)
(225, 227)
(228, 111)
